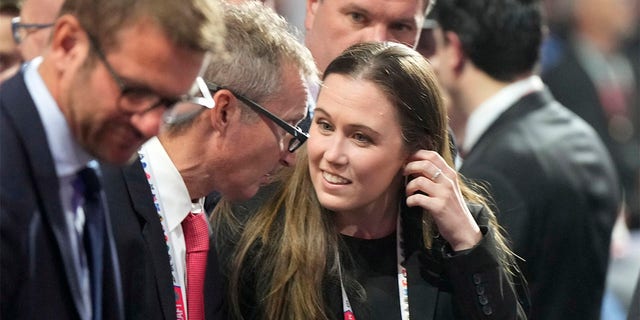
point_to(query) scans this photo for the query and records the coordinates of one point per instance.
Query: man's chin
(249, 192)
(119, 158)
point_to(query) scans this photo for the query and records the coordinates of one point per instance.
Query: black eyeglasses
(298, 136)
(135, 99)
(16, 28)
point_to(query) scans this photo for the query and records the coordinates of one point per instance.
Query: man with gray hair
(241, 132)
(112, 69)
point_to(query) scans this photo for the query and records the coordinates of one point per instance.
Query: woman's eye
(361, 138)
(324, 126)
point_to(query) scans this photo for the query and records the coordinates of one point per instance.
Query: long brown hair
(290, 243)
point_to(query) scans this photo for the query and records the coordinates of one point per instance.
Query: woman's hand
(434, 186)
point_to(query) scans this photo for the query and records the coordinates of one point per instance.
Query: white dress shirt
(175, 204)
(489, 111)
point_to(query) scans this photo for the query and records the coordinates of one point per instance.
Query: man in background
(553, 181)
(9, 54)
(35, 26)
(334, 25)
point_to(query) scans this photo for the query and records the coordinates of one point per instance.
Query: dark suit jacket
(144, 259)
(557, 196)
(37, 275)
(571, 86)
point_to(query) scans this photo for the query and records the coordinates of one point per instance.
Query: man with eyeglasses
(111, 71)
(9, 53)
(32, 29)
(231, 138)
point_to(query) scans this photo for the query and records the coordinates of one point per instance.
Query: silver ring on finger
(436, 175)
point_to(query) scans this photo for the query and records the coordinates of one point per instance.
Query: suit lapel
(527, 104)
(29, 127)
(153, 234)
(113, 302)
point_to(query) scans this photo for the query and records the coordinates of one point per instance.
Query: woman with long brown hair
(373, 222)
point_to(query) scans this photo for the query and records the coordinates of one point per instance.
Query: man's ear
(226, 110)
(69, 42)
(312, 7)
(455, 50)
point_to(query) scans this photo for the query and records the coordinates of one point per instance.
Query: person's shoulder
(547, 126)
(559, 127)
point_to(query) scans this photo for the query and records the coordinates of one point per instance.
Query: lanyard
(403, 287)
(180, 307)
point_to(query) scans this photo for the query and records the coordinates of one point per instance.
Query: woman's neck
(368, 224)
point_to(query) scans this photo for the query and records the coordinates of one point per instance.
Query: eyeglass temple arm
(292, 130)
(207, 99)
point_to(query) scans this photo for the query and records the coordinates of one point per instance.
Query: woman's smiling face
(356, 151)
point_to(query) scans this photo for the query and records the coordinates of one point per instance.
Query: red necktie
(196, 238)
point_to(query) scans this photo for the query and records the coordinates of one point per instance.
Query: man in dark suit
(553, 181)
(241, 133)
(598, 81)
(98, 93)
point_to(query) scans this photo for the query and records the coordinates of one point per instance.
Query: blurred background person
(34, 28)
(597, 76)
(597, 80)
(9, 53)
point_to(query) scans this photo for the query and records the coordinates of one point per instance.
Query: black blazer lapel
(153, 234)
(29, 128)
(422, 297)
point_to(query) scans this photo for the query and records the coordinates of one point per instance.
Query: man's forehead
(291, 101)
(408, 8)
(37, 9)
(295, 111)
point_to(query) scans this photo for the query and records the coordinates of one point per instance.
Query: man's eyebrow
(355, 7)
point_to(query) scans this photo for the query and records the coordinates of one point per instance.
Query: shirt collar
(487, 112)
(172, 193)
